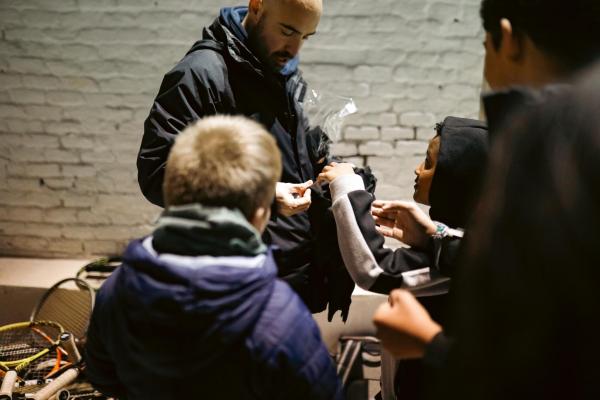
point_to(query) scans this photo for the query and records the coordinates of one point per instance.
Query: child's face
(425, 172)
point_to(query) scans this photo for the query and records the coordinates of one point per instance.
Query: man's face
(282, 28)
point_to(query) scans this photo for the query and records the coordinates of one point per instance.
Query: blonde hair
(223, 161)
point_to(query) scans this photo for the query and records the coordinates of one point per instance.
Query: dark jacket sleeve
(449, 254)
(372, 266)
(188, 92)
(436, 353)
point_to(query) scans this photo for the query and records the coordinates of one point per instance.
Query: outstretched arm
(404, 221)
(372, 266)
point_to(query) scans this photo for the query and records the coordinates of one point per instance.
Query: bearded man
(247, 64)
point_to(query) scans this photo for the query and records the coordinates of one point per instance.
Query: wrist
(442, 231)
(344, 184)
(429, 331)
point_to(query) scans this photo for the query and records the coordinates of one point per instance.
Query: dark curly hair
(568, 31)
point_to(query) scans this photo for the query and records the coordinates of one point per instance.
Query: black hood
(461, 163)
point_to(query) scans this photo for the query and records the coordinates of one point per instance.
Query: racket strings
(70, 308)
(20, 343)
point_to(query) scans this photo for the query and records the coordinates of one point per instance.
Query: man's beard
(256, 43)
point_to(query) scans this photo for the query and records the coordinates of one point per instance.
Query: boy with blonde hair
(196, 310)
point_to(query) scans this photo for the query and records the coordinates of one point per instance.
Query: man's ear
(511, 44)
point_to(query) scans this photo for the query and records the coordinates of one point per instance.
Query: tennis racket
(96, 272)
(69, 302)
(68, 376)
(80, 391)
(28, 351)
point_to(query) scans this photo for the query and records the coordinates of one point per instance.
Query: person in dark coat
(247, 64)
(196, 309)
(529, 293)
(528, 62)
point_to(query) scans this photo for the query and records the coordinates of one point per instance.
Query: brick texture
(77, 78)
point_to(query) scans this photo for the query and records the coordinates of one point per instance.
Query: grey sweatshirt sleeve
(371, 266)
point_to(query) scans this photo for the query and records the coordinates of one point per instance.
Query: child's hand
(404, 326)
(403, 221)
(333, 170)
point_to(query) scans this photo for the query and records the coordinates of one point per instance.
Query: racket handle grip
(8, 383)
(63, 380)
(67, 342)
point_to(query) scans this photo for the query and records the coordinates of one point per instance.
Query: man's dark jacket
(220, 75)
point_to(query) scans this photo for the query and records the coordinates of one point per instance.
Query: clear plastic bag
(328, 112)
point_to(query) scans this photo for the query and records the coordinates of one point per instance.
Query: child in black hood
(461, 161)
(448, 180)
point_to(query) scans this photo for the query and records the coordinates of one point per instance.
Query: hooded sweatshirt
(461, 163)
(178, 320)
(221, 75)
(462, 158)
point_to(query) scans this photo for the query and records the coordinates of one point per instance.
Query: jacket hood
(194, 229)
(461, 163)
(227, 29)
(198, 304)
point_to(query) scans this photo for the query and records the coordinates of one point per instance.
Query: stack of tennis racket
(40, 357)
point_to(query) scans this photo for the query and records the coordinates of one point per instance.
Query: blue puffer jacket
(204, 327)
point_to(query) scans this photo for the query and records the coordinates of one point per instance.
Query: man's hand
(404, 326)
(292, 198)
(403, 221)
(333, 170)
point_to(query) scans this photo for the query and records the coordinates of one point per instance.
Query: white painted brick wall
(77, 78)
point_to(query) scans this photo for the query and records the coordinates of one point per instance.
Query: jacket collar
(195, 230)
(500, 104)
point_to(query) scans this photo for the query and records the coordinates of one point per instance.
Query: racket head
(69, 302)
(97, 271)
(24, 342)
(30, 351)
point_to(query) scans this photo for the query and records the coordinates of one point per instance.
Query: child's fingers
(323, 178)
(398, 205)
(380, 203)
(385, 231)
(384, 222)
(384, 213)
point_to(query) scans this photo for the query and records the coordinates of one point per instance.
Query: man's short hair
(568, 31)
(223, 161)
